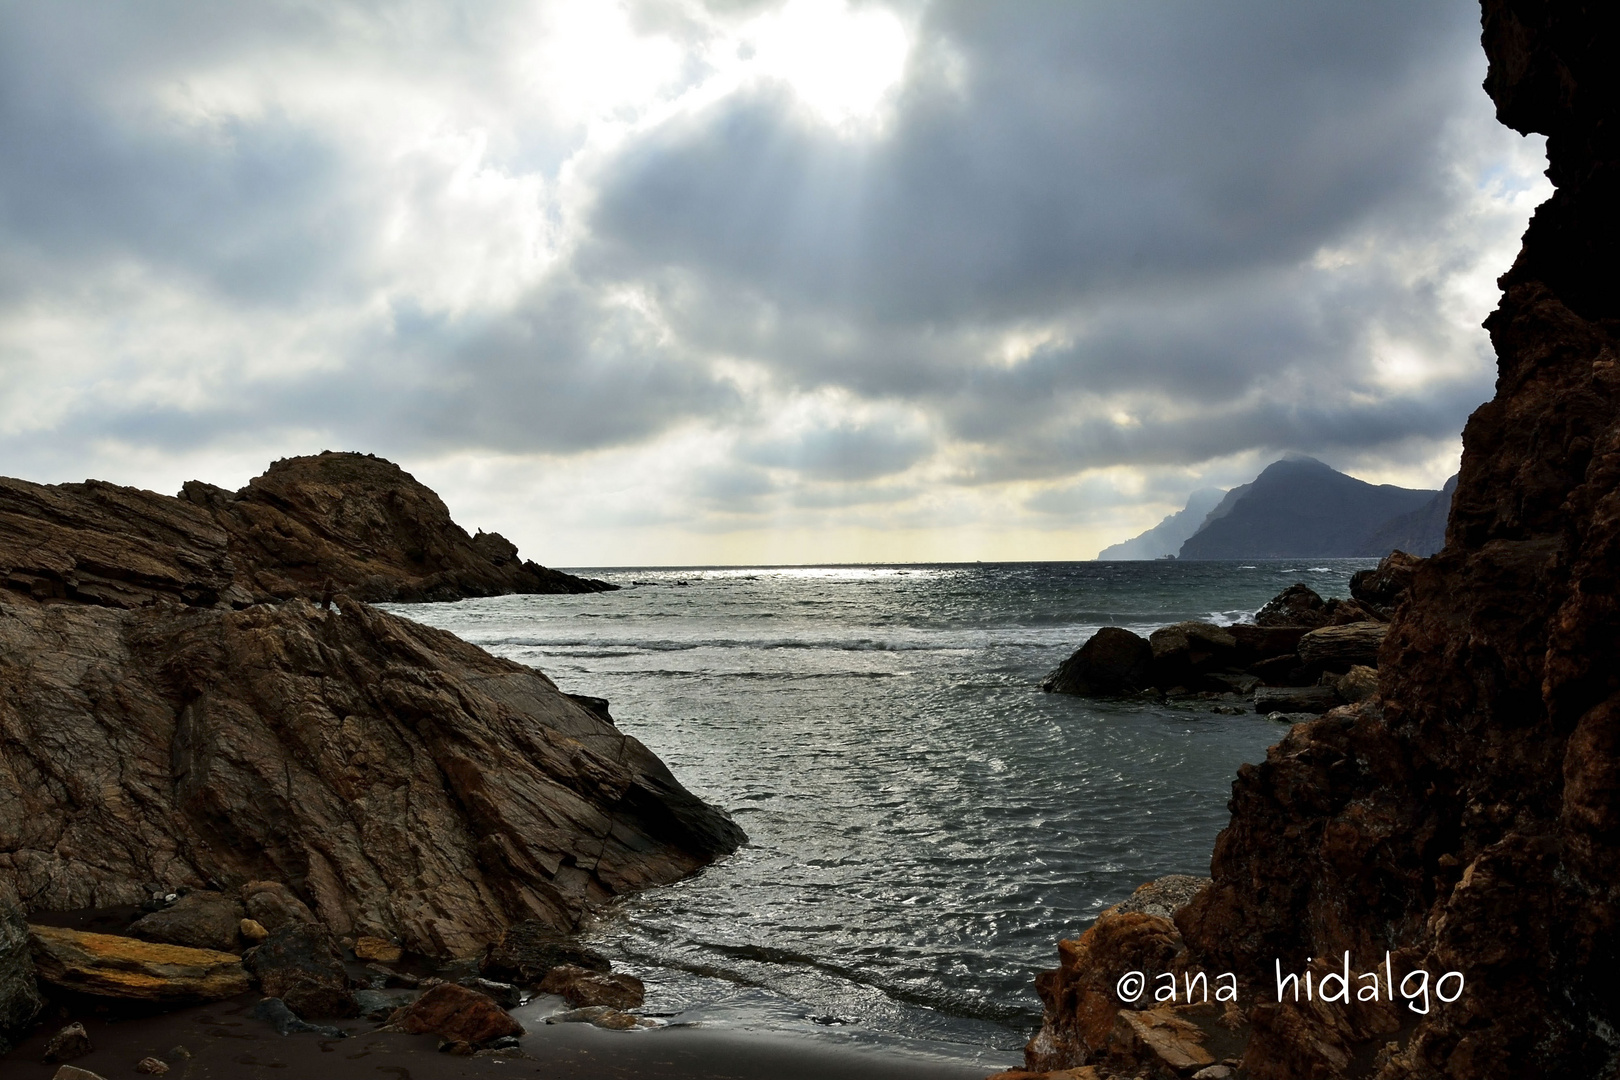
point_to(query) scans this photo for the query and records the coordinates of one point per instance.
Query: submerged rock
(105, 965)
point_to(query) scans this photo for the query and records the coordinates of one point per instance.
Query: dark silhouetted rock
(106, 965)
(300, 965)
(1472, 822)
(527, 950)
(1113, 661)
(582, 987)
(1297, 605)
(201, 920)
(458, 1014)
(1184, 653)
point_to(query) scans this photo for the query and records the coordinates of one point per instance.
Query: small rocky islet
(223, 771)
(1300, 657)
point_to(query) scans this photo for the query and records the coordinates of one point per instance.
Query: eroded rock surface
(107, 965)
(166, 723)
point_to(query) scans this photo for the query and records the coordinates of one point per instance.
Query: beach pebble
(151, 1066)
(252, 931)
(69, 1043)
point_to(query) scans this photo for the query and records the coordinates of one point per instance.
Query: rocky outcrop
(167, 724)
(110, 966)
(1113, 661)
(368, 528)
(1472, 822)
(308, 527)
(406, 784)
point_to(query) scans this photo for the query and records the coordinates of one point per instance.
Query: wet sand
(225, 1044)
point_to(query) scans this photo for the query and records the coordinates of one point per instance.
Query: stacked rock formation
(1470, 821)
(169, 721)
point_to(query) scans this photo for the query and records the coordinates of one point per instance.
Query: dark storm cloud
(1139, 187)
(1077, 148)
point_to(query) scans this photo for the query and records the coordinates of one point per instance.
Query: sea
(924, 823)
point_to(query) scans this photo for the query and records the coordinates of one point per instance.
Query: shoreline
(224, 1043)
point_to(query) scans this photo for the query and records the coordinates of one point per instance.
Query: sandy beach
(224, 1043)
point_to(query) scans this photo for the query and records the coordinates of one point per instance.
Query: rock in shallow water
(1113, 661)
(582, 988)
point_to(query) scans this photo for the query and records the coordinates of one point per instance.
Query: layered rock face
(1472, 824)
(1467, 818)
(159, 729)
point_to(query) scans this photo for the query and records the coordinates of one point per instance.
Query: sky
(673, 282)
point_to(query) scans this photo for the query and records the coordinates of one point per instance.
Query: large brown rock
(159, 730)
(409, 785)
(106, 965)
(458, 1014)
(1472, 823)
(1339, 648)
(1112, 661)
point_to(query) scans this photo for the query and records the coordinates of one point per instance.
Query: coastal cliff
(176, 711)
(1467, 818)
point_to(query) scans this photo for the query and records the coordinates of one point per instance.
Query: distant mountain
(1299, 508)
(1167, 536)
(1421, 533)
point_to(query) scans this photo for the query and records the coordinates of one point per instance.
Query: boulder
(200, 920)
(1186, 652)
(526, 951)
(69, 1043)
(1112, 661)
(1338, 648)
(458, 1014)
(1297, 605)
(19, 992)
(181, 709)
(151, 1066)
(1296, 699)
(252, 931)
(1256, 644)
(73, 1072)
(299, 965)
(273, 906)
(105, 965)
(582, 988)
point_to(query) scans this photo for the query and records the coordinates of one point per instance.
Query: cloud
(996, 269)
